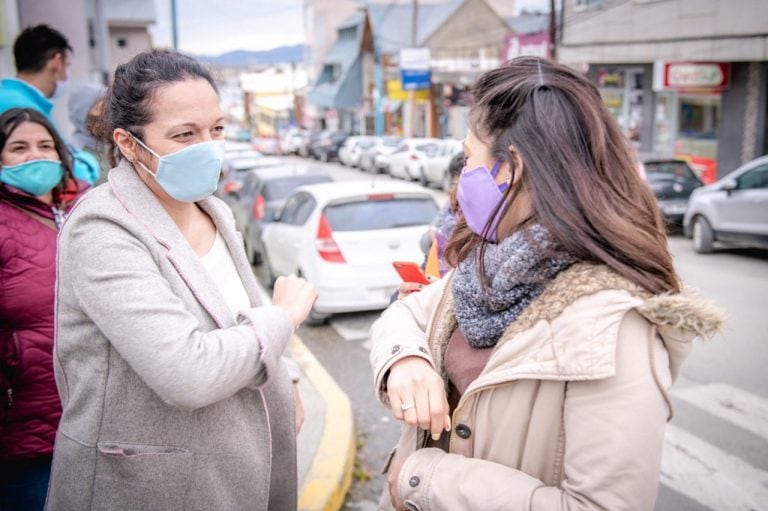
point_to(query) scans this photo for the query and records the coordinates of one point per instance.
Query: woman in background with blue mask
(535, 375)
(175, 392)
(36, 191)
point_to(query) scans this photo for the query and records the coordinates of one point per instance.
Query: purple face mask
(478, 196)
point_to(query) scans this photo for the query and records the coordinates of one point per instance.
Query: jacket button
(423, 349)
(414, 481)
(463, 431)
(395, 349)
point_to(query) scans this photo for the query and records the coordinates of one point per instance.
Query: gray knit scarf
(517, 270)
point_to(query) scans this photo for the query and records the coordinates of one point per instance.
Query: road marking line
(736, 406)
(709, 475)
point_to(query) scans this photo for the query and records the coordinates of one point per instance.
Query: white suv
(733, 210)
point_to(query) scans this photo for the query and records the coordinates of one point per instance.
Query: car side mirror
(730, 185)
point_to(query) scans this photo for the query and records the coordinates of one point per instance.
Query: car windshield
(366, 144)
(277, 189)
(390, 142)
(380, 214)
(666, 170)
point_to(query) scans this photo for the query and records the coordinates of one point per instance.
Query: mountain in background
(246, 58)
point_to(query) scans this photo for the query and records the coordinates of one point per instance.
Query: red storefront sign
(533, 45)
(698, 76)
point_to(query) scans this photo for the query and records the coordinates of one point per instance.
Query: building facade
(682, 77)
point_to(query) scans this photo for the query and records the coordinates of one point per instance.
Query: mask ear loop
(142, 144)
(496, 167)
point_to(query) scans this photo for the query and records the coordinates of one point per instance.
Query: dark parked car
(262, 193)
(236, 168)
(672, 181)
(328, 144)
(307, 141)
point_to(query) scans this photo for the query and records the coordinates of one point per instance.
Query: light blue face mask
(191, 174)
(36, 177)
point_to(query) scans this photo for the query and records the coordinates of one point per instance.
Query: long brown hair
(13, 118)
(578, 169)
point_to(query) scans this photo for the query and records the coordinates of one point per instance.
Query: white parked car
(733, 210)
(343, 237)
(407, 162)
(376, 159)
(436, 165)
(352, 149)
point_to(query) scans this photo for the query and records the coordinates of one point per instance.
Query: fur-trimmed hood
(680, 318)
(571, 330)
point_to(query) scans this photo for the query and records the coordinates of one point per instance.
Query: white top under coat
(220, 266)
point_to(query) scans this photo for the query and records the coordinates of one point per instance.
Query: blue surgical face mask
(61, 88)
(36, 177)
(191, 174)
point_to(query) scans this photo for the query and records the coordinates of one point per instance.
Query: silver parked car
(733, 210)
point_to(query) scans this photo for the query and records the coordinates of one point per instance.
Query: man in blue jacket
(42, 55)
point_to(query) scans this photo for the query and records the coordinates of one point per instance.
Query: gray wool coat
(169, 401)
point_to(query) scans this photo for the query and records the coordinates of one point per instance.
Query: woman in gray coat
(174, 390)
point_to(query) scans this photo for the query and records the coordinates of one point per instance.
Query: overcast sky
(211, 27)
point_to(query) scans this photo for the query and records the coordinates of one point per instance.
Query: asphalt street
(716, 449)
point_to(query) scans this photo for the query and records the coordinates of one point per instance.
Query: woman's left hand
(299, 407)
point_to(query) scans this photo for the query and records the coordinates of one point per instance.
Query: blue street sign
(412, 79)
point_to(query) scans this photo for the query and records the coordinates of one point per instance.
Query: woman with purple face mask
(535, 375)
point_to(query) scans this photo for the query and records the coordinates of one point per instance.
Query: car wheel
(270, 274)
(703, 237)
(423, 179)
(316, 319)
(255, 258)
(447, 182)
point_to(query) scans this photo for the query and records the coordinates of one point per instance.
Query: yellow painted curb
(330, 476)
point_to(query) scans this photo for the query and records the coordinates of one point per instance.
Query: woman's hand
(296, 296)
(299, 407)
(407, 288)
(417, 395)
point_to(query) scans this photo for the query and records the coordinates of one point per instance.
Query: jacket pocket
(136, 476)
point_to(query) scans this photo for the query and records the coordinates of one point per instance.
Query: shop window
(699, 116)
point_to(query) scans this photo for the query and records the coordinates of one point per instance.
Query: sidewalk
(326, 444)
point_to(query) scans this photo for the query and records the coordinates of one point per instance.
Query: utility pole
(553, 29)
(410, 132)
(101, 34)
(378, 71)
(174, 26)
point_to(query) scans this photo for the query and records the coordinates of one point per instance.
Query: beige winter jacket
(570, 410)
